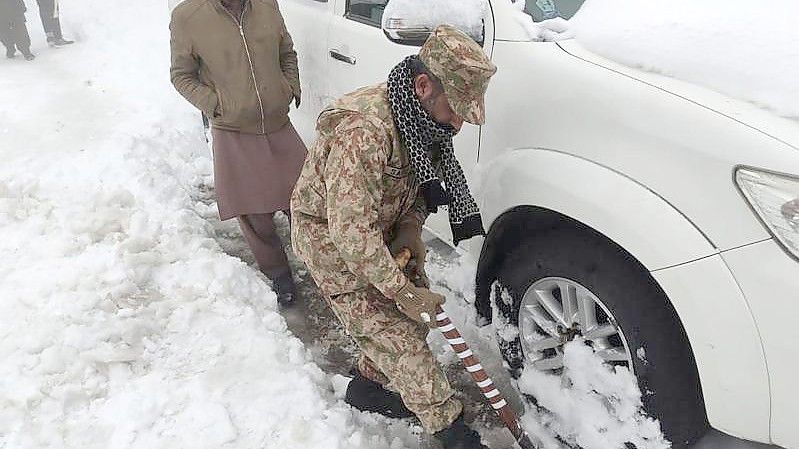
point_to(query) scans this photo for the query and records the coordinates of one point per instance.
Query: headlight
(775, 199)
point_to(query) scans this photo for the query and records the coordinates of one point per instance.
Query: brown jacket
(241, 72)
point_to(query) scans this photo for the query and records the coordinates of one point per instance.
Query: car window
(548, 9)
(366, 11)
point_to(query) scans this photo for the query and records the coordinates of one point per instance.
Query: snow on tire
(572, 283)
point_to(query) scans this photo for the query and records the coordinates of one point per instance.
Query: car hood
(748, 114)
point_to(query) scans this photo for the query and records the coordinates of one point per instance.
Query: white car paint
(646, 160)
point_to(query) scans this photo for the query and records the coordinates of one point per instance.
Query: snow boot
(369, 396)
(28, 55)
(284, 288)
(10, 53)
(459, 436)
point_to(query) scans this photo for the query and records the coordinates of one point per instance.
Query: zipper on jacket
(252, 68)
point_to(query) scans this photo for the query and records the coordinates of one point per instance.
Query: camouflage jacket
(355, 187)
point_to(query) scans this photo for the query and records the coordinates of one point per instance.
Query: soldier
(235, 61)
(369, 181)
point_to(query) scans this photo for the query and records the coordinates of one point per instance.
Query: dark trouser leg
(20, 37)
(51, 24)
(261, 235)
(7, 38)
(57, 29)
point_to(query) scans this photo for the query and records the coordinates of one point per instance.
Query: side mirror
(403, 32)
(406, 23)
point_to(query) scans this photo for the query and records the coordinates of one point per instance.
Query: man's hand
(409, 235)
(419, 304)
(296, 101)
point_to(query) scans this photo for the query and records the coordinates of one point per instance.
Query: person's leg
(367, 392)
(369, 370)
(59, 37)
(51, 23)
(21, 38)
(7, 38)
(46, 13)
(398, 348)
(260, 233)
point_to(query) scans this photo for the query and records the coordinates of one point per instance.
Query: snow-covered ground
(122, 322)
(126, 321)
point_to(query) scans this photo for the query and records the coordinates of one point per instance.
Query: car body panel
(749, 114)
(656, 233)
(726, 345)
(685, 153)
(770, 281)
(308, 22)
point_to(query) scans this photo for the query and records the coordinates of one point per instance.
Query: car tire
(667, 376)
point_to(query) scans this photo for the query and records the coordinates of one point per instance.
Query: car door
(308, 22)
(360, 54)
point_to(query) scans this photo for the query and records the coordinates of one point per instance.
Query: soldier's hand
(296, 101)
(418, 304)
(409, 235)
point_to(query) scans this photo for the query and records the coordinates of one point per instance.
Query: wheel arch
(623, 210)
(653, 233)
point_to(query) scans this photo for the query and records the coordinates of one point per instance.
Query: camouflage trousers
(394, 353)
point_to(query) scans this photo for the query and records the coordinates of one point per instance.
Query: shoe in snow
(369, 396)
(60, 42)
(284, 288)
(29, 56)
(459, 436)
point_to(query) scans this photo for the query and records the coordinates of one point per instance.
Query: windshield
(549, 9)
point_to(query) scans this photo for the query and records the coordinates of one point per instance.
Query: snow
(746, 50)
(466, 15)
(548, 30)
(740, 49)
(591, 405)
(123, 324)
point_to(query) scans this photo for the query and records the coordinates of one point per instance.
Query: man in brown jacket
(234, 60)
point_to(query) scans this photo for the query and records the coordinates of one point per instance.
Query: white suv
(655, 218)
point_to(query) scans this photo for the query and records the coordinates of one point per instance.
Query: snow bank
(747, 50)
(122, 323)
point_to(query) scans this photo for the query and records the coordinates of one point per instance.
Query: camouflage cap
(463, 68)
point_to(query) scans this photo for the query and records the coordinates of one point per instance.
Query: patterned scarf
(421, 134)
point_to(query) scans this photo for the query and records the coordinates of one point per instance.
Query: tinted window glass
(367, 11)
(547, 9)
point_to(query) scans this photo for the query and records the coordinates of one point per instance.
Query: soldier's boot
(459, 436)
(10, 52)
(369, 396)
(26, 53)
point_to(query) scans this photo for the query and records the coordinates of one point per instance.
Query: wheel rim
(555, 311)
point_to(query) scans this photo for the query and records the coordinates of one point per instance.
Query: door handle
(335, 54)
